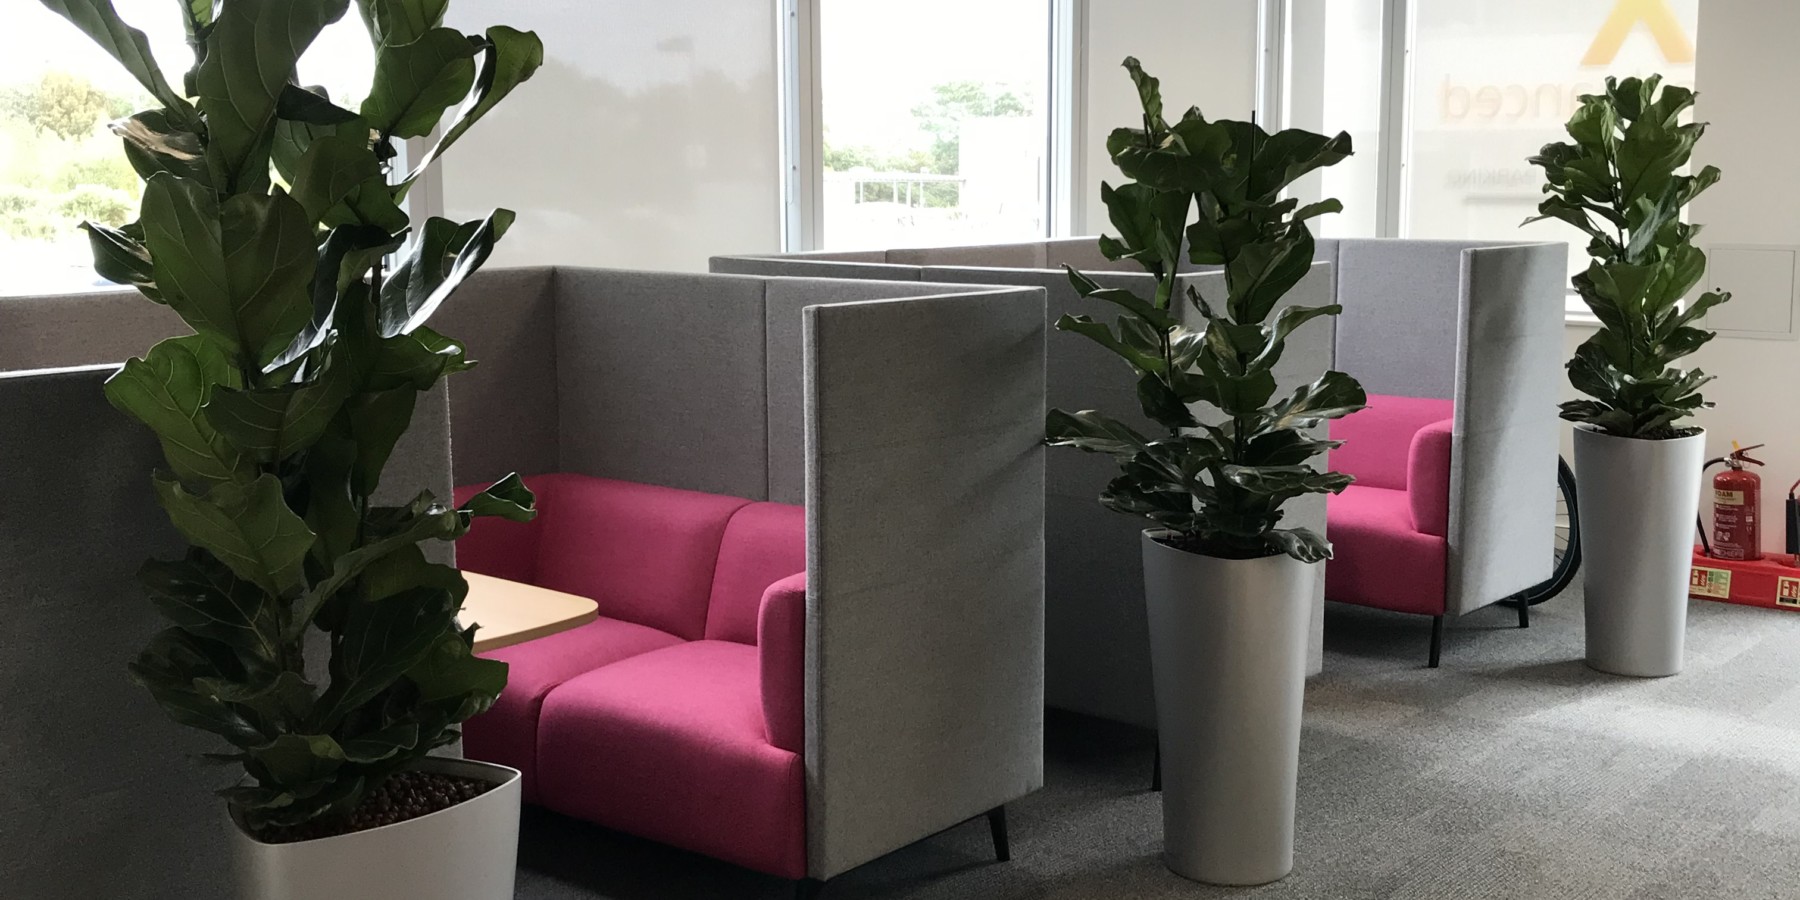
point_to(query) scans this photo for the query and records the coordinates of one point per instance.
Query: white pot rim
(1594, 431)
(497, 775)
(1156, 536)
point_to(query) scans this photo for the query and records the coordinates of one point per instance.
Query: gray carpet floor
(1511, 772)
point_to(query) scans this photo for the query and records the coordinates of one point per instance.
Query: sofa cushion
(1428, 478)
(1378, 439)
(763, 543)
(507, 732)
(1379, 559)
(670, 745)
(645, 554)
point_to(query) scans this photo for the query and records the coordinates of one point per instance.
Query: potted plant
(1637, 467)
(1228, 588)
(306, 627)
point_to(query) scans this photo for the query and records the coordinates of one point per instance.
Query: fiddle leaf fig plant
(1617, 180)
(268, 213)
(1210, 193)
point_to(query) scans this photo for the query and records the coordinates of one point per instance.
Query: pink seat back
(763, 543)
(1378, 440)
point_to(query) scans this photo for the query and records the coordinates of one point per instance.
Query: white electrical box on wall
(1763, 280)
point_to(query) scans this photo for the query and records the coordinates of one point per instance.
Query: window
(1443, 130)
(935, 121)
(58, 163)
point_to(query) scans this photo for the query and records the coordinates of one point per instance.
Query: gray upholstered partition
(907, 418)
(1097, 653)
(100, 793)
(924, 673)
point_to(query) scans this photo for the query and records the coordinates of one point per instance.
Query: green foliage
(1618, 182)
(61, 104)
(277, 417)
(1211, 192)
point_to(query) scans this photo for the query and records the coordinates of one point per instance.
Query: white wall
(1747, 77)
(650, 139)
(1204, 51)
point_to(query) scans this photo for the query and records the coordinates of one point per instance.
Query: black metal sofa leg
(1156, 768)
(809, 889)
(1437, 639)
(1524, 613)
(997, 826)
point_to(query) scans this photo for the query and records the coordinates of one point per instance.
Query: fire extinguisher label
(1712, 583)
(1787, 592)
(1728, 498)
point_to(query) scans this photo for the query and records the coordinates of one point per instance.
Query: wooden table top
(512, 613)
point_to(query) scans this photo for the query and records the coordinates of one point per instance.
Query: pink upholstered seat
(1388, 529)
(678, 715)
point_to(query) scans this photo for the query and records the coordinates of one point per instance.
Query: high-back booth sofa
(810, 511)
(1475, 328)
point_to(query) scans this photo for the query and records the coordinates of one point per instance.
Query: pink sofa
(1389, 529)
(678, 714)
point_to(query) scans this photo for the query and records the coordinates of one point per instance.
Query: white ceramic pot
(1228, 646)
(466, 852)
(1638, 504)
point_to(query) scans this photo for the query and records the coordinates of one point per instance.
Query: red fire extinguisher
(1737, 497)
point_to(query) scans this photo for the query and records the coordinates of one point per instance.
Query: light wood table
(512, 613)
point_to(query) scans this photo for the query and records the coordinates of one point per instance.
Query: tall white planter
(1228, 645)
(467, 852)
(1638, 503)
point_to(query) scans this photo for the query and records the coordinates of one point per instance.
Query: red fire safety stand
(1769, 580)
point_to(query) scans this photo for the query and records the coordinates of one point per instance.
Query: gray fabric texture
(1398, 332)
(504, 410)
(925, 566)
(1026, 255)
(1506, 432)
(660, 379)
(1512, 773)
(816, 267)
(61, 330)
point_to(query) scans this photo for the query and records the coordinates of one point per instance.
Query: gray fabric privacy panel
(421, 462)
(64, 330)
(925, 512)
(660, 379)
(503, 412)
(1027, 255)
(1398, 331)
(1503, 462)
(808, 266)
(102, 796)
(784, 300)
(1084, 254)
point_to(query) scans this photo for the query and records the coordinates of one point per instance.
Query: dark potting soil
(405, 795)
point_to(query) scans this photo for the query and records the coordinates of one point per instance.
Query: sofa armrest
(1428, 477)
(781, 646)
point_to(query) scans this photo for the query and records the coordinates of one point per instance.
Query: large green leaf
(167, 390)
(154, 143)
(382, 641)
(121, 258)
(507, 498)
(100, 22)
(172, 666)
(400, 21)
(251, 52)
(416, 81)
(248, 527)
(205, 599)
(440, 260)
(424, 519)
(1091, 431)
(272, 424)
(508, 59)
(332, 167)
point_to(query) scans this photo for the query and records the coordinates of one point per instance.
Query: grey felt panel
(660, 379)
(1398, 331)
(1084, 254)
(503, 412)
(421, 462)
(1027, 255)
(812, 267)
(785, 298)
(1503, 464)
(100, 795)
(62, 330)
(924, 684)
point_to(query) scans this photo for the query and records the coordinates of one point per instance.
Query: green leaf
(381, 642)
(1332, 395)
(166, 390)
(272, 424)
(1300, 543)
(1149, 92)
(1093, 432)
(312, 105)
(1124, 299)
(416, 81)
(1162, 404)
(1102, 335)
(440, 260)
(155, 142)
(121, 258)
(205, 599)
(507, 498)
(424, 519)
(100, 22)
(400, 21)
(332, 167)
(452, 670)
(300, 758)
(251, 52)
(169, 668)
(381, 745)
(508, 59)
(248, 527)
(417, 360)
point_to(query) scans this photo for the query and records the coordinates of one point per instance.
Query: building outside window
(934, 117)
(60, 166)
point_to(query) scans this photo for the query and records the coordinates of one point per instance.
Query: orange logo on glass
(1654, 14)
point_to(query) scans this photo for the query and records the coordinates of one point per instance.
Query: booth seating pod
(1477, 325)
(812, 514)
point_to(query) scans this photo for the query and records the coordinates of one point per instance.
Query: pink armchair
(1390, 529)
